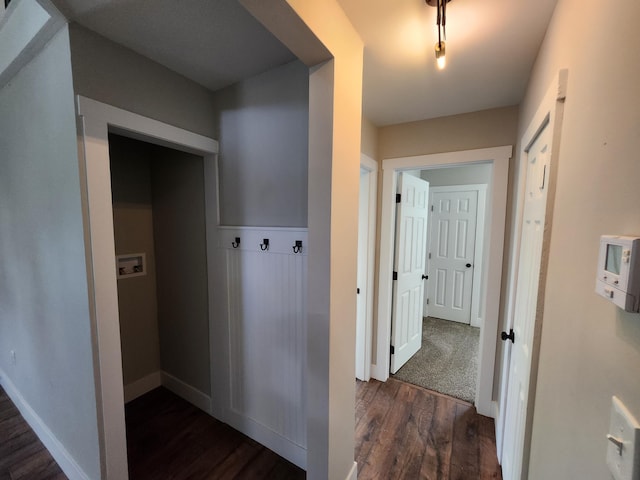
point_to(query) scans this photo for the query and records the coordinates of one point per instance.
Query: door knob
(468, 265)
(425, 277)
(508, 336)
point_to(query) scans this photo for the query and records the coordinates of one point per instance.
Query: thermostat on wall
(131, 265)
(618, 277)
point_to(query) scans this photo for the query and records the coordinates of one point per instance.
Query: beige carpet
(447, 361)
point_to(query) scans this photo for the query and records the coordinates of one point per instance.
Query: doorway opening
(96, 121)
(160, 246)
(498, 160)
(452, 318)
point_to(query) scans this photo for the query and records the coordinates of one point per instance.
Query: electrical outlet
(623, 449)
(12, 355)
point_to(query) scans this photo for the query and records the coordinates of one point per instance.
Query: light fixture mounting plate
(433, 3)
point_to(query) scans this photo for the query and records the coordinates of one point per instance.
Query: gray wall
(44, 311)
(466, 175)
(487, 128)
(177, 181)
(263, 127)
(158, 196)
(110, 73)
(133, 232)
(590, 349)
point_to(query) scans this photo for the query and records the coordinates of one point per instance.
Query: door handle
(425, 277)
(508, 336)
(468, 265)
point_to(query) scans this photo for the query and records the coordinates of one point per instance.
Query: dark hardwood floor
(168, 438)
(402, 432)
(22, 454)
(406, 432)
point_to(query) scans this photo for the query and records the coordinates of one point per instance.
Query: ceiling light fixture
(441, 20)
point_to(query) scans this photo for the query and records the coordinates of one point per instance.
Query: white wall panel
(267, 337)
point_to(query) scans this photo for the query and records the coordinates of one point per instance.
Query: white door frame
(371, 167)
(478, 253)
(551, 109)
(499, 158)
(96, 119)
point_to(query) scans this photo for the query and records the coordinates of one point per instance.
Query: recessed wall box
(618, 277)
(131, 265)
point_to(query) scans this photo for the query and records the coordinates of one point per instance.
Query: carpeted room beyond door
(448, 360)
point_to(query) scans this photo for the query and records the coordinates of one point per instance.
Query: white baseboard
(142, 386)
(186, 391)
(353, 474)
(378, 373)
(57, 450)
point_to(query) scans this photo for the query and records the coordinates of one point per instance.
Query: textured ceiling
(491, 47)
(213, 42)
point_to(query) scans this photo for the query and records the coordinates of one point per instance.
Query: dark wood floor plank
(402, 432)
(465, 451)
(22, 454)
(407, 432)
(37, 466)
(438, 425)
(489, 466)
(369, 427)
(170, 439)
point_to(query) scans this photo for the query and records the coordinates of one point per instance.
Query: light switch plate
(623, 463)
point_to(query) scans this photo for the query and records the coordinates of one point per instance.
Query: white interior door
(409, 268)
(451, 253)
(363, 238)
(526, 298)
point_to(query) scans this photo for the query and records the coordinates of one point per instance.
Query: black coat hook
(236, 244)
(265, 244)
(297, 248)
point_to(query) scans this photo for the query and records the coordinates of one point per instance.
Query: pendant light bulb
(441, 60)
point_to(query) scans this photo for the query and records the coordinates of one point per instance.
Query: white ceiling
(491, 46)
(213, 42)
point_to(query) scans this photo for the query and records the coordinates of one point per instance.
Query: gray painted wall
(177, 181)
(133, 232)
(263, 128)
(158, 196)
(467, 131)
(589, 348)
(44, 311)
(110, 73)
(466, 175)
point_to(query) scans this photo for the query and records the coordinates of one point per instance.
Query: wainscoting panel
(267, 336)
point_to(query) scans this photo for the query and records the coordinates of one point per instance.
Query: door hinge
(398, 198)
(395, 275)
(508, 336)
(429, 255)
(393, 350)
(358, 291)
(427, 301)
(432, 208)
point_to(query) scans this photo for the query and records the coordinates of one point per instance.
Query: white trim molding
(353, 474)
(96, 120)
(187, 392)
(371, 166)
(141, 386)
(499, 158)
(549, 114)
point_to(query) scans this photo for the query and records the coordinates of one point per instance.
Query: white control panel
(618, 277)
